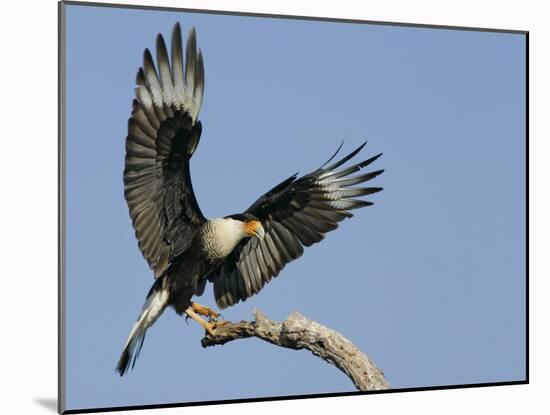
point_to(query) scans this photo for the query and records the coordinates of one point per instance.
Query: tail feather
(156, 302)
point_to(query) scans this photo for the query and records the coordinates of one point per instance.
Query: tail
(156, 302)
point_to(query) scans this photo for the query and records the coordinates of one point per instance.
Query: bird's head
(254, 228)
(248, 225)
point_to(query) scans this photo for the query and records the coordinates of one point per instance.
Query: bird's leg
(209, 327)
(204, 311)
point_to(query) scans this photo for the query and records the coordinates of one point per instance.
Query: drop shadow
(48, 403)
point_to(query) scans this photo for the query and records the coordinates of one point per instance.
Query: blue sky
(429, 282)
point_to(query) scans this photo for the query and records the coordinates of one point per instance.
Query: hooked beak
(254, 228)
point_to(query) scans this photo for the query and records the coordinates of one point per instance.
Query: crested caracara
(238, 253)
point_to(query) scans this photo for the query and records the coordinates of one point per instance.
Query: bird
(239, 253)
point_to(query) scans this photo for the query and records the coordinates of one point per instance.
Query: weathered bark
(297, 332)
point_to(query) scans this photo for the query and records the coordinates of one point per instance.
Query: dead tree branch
(298, 332)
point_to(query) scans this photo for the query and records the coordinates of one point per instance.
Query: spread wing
(163, 133)
(295, 213)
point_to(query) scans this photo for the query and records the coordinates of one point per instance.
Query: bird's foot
(209, 326)
(205, 311)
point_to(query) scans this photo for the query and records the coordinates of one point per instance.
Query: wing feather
(165, 73)
(262, 263)
(306, 235)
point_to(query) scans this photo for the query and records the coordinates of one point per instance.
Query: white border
(28, 174)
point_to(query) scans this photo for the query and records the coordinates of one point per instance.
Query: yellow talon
(204, 311)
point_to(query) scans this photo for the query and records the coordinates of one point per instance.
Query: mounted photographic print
(258, 207)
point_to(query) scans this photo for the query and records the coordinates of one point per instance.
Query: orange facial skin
(254, 228)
